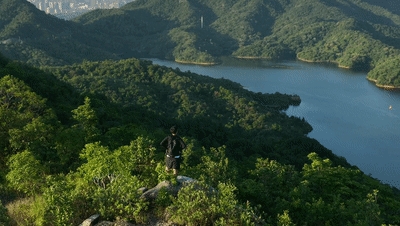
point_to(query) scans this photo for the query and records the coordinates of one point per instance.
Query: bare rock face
(92, 220)
(185, 180)
(173, 189)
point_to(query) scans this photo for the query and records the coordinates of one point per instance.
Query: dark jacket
(173, 145)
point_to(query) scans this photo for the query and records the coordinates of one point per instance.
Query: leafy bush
(26, 173)
(4, 217)
(199, 204)
(117, 177)
(26, 211)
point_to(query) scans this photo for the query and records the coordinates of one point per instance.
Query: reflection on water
(349, 114)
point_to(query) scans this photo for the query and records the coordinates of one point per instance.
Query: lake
(349, 115)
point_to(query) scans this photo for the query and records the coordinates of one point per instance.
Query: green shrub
(199, 204)
(4, 217)
(25, 211)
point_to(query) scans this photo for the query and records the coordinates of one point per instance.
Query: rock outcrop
(173, 189)
(92, 220)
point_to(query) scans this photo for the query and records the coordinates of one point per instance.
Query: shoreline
(391, 87)
(252, 58)
(383, 86)
(196, 63)
(323, 61)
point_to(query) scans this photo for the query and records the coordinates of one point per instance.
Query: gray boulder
(173, 189)
(92, 220)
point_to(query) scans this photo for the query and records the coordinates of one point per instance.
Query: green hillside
(82, 139)
(359, 35)
(29, 35)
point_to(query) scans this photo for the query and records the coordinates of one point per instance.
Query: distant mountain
(32, 36)
(356, 34)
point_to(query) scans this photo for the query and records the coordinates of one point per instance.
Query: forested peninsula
(361, 35)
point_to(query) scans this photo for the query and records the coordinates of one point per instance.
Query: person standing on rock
(174, 146)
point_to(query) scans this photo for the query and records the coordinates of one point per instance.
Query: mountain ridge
(359, 35)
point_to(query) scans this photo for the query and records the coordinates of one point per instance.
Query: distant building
(68, 9)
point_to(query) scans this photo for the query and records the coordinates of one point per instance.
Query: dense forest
(360, 35)
(84, 138)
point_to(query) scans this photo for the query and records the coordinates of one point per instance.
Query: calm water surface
(349, 115)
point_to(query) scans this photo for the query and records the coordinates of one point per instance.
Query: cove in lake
(349, 114)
